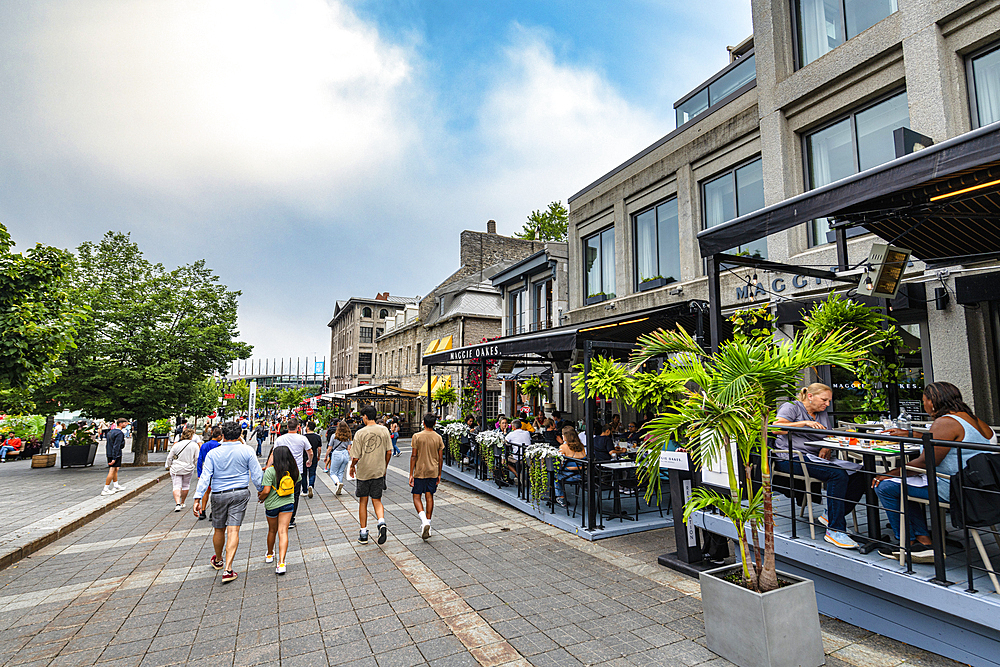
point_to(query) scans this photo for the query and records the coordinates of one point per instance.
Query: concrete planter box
(775, 629)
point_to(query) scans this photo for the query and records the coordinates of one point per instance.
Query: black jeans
(301, 486)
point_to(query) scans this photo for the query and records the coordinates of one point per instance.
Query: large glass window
(365, 335)
(716, 91)
(860, 141)
(366, 312)
(599, 255)
(657, 244)
(517, 315)
(541, 305)
(985, 77)
(364, 363)
(732, 194)
(823, 25)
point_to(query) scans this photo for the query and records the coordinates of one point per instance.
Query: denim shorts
(271, 514)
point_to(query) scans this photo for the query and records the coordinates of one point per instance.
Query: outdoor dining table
(868, 455)
(619, 473)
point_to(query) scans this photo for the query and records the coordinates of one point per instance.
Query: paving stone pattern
(491, 587)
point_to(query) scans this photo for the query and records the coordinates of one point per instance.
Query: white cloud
(277, 94)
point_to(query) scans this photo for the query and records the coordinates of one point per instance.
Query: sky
(314, 150)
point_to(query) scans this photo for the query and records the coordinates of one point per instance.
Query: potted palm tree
(754, 615)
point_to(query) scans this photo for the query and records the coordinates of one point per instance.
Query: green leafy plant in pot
(445, 395)
(161, 427)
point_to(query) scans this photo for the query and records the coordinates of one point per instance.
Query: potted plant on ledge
(161, 435)
(79, 448)
(754, 615)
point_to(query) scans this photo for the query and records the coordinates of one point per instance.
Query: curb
(36, 541)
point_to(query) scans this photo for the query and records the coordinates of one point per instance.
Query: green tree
(291, 397)
(153, 336)
(551, 224)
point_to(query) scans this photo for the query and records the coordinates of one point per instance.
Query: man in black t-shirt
(317, 442)
(115, 444)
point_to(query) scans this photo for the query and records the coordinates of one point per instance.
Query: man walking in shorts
(113, 448)
(370, 455)
(426, 460)
(228, 469)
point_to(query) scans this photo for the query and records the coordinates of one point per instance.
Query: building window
(365, 335)
(657, 244)
(541, 305)
(984, 79)
(378, 332)
(823, 25)
(729, 80)
(382, 314)
(860, 141)
(492, 404)
(517, 313)
(734, 193)
(419, 358)
(366, 312)
(599, 255)
(364, 363)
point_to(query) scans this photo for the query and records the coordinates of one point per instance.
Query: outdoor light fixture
(753, 281)
(964, 190)
(884, 272)
(617, 324)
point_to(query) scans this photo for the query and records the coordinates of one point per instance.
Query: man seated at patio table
(844, 487)
(519, 440)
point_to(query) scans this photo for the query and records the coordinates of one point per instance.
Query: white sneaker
(118, 487)
(280, 569)
(182, 505)
(340, 487)
(269, 558)
(425, 529)
(108, 491)
(178, 507)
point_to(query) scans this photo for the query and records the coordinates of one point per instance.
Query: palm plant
(722, 411)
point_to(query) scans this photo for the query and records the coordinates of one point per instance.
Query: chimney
(491, 226)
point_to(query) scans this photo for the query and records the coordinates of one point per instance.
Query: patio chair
(943, 507)
(808, 504)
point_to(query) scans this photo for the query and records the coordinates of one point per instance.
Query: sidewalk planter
(43, 460)
(158, 443)
(779, 628)
(77, 455)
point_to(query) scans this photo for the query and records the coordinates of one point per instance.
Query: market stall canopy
(942, 202)
(560, 343)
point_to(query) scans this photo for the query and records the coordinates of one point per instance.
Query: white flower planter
(779, 628)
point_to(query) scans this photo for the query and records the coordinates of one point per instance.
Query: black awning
(560, 343)
(942, 202)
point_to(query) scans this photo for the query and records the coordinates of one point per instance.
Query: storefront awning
(942, 202)
(522, 372)
(380, 390)
(560, 343)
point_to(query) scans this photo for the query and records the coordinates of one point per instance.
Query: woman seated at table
(810, 411)
(550, 433)
(604, 444)
(571, 448)
(953, 420)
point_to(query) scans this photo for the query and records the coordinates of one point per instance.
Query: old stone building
(355, 325)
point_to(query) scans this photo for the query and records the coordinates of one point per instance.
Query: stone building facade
(463, 309)
(812, 97)
(355, 325)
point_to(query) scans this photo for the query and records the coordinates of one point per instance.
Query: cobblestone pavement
(490, 587)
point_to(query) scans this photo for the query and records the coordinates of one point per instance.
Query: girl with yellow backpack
(278, 496)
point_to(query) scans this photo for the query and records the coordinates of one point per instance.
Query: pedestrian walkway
(490, 587)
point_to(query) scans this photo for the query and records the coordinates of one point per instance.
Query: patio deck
(877, 594)
(650, 520)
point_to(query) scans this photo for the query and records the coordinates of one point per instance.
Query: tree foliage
(153, 336)
(548, 225)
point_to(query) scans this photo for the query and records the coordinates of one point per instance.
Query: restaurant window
(734, 193)
(541, 305)
(657, 245)
(366, 312)
(492, 404)
(860, 141)
(365, 335)
(984, 85)
(599, 272)
(823, 25)
(517, 313)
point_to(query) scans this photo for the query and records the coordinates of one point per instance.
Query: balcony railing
(726, 82)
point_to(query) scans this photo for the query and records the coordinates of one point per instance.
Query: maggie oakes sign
(484, 352)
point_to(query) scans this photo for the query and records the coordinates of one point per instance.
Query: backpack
(286, 486)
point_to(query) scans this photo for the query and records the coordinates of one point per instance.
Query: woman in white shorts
(181, 462)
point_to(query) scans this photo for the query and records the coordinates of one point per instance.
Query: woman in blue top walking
(394, 434)
(953, 420)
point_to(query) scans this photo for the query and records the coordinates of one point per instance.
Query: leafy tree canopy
(153, 336)
(548, 225)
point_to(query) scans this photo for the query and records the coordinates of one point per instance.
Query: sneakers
(824, 521)
(340, 487)
(280, 569)
(118, 487)
(183, 505)
(201, 517)
(292, 524)
(178, 507)
(229, 575)
(381, 533)
(425, 529)
(840, 539)
(363, 537)
(888, 552)
(310, 492)
(218, 563)
(919, 553)
(561, 502)
(108, 491)
(269, 558)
